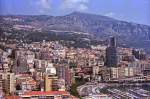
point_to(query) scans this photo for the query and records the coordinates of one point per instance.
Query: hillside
(95, 26)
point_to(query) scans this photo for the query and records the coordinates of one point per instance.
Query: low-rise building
(47, 95)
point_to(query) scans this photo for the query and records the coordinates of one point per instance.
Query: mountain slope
(100, 27)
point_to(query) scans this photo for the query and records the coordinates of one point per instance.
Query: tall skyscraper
(111, 53)
(112, 42)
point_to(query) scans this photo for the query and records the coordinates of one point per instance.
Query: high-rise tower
(111, 53)
(112, 42)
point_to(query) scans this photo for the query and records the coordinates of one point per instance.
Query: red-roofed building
(12, 97)
(48, 95)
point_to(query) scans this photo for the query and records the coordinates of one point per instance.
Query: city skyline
(128, 10)
(74, 49)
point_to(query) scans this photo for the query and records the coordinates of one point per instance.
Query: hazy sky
(130, 10)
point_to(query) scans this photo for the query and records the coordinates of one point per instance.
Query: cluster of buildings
(36, 68)
(48, 69)
(126, 64)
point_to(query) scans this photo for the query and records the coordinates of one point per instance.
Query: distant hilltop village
(54, 70)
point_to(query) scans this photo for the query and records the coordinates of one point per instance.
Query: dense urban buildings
(52, 70)
(74, 49)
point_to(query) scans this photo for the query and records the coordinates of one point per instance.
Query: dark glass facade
(111, 53)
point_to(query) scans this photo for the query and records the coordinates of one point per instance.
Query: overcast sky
(137, 11)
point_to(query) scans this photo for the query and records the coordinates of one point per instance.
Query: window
(50, 97)
(1, 77)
